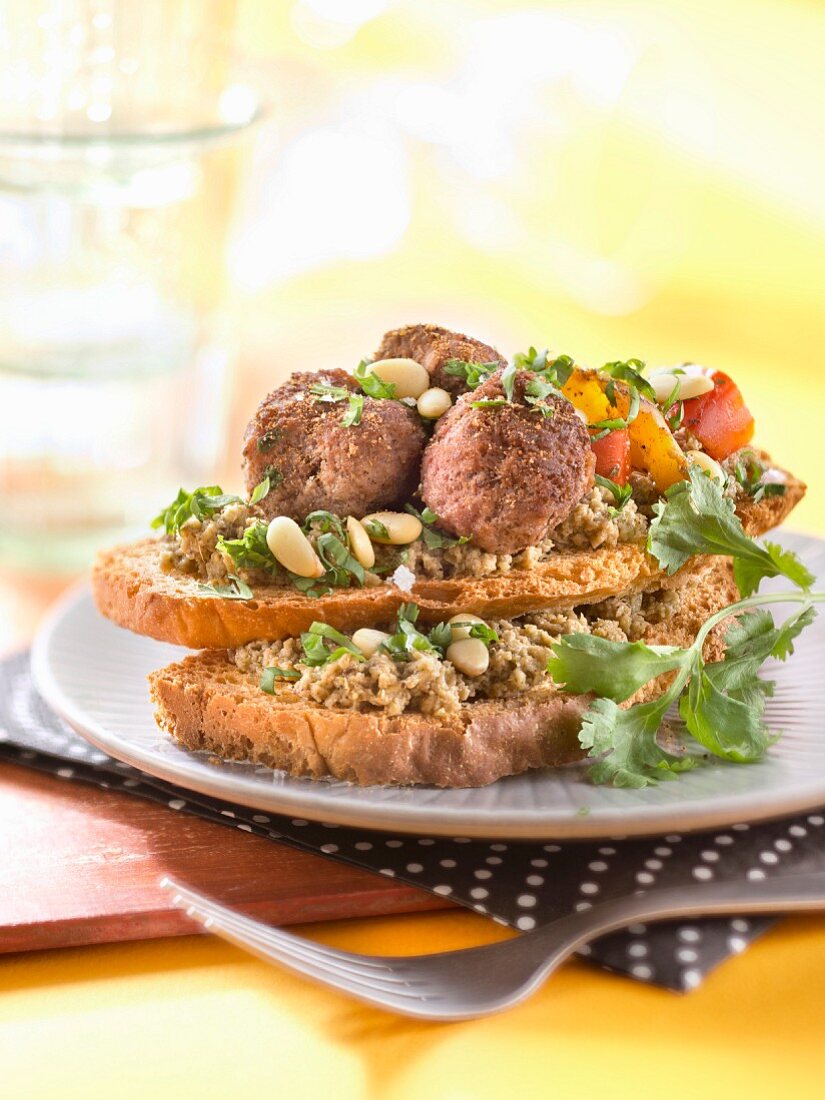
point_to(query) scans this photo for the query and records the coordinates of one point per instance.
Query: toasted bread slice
(205, 702)
(132, 590)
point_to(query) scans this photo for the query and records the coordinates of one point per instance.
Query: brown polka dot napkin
(514, 883)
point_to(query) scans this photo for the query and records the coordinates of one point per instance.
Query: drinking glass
(118, 166)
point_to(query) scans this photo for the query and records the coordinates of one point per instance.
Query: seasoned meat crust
(432, 346)
(506, 475)
(314, 461)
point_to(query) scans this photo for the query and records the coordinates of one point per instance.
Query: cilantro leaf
(626, 742)
(696, 518)
(614, 670)
(721, 704)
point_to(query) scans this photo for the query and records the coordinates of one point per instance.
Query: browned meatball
(506, 475)
(432, 346)
(315, 461)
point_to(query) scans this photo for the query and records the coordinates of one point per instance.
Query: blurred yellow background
(635, 179)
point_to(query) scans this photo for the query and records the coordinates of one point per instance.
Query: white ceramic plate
(93, 674)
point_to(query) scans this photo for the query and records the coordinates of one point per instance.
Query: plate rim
(600, 823)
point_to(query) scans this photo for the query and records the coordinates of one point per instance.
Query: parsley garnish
(721, 704)
(273, 673)
(355, 407)
(696, 518)
(621, 493)
(251, 550)
(201, 503)
(275, 476)
(236, 589)
(748, 471)
(489, 403)
(370, 383)
(375, 528)
(431, 538)
(630, 372)
(472, 373)
(619, 423)
(321, 391)
(269, 439)
(260, 491)
(323, 644)
(408, 637)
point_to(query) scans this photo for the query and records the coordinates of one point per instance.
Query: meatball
(507, 474)
(314, 461)
(432, 346)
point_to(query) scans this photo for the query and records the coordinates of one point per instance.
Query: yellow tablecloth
(195, 1017)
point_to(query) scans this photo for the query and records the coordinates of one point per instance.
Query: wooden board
(80, 865)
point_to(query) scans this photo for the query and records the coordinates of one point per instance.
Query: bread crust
(131, 588)
(206, 703)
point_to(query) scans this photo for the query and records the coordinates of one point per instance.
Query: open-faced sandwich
(447, 569)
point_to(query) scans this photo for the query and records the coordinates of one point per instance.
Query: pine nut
(694, 385)
(291, 547)
(359, 543)
(433, 403)
(369, 640)
(469, 655)
(710, 466)
(664, 385)
(409, 377)
(401, 527)
(460, 632)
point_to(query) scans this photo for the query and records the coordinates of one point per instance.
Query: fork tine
(340, 969)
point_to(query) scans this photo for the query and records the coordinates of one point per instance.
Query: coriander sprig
(696, 518)
(722, 703)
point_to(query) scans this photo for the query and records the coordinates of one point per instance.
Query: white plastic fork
(478, 981)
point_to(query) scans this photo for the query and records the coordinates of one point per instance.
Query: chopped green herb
(260, 491)
(375, 528)
(321, 391)
(275, 476)
(371, 384)
(619, 423)
(201, 503)
(269, 439)
(621, 493)
(236, 589)
(489, 403)
(749, 473)
(270, 675)
(431, 538)
(472, 373)
(323, 644)
(630, 372)
(696, 518)
(355, 408)
(251, 550)
(323, 521)
(721, 703)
